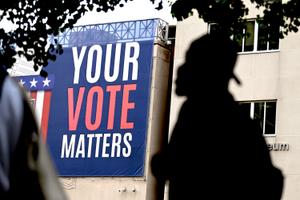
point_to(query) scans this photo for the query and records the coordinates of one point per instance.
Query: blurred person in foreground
(215, 151)
(26, 170)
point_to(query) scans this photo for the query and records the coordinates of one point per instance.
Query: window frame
(252, 112)
(255, 40)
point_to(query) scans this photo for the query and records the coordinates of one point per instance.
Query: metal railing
(137, 30)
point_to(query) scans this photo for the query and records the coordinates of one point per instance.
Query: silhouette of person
(26, 168)
(215, 151)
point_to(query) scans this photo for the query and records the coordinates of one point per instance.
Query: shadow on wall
(206, 156)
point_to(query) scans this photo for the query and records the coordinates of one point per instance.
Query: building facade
(270, 75)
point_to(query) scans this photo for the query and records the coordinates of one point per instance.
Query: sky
(132, 10)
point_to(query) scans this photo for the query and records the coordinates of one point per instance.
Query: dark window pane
(270, 117)
(274, 41)
(262, 38)
(239, 41)
(259, 113)
(249, 37)
(172, 32)
(274, 36)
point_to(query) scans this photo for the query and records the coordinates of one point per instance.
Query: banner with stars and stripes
(39, 89)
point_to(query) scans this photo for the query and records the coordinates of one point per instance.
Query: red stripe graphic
(45, 111)
(45, 114)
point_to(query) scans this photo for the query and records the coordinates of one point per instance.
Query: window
(264, 112)
(172, 34)
(255, 37)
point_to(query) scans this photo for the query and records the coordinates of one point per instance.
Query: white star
(21, 82)
(33, 83)
(46, 82)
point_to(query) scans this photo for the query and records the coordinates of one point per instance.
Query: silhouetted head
(208, 67)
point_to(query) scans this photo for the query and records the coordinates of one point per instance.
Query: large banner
(98, 113)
